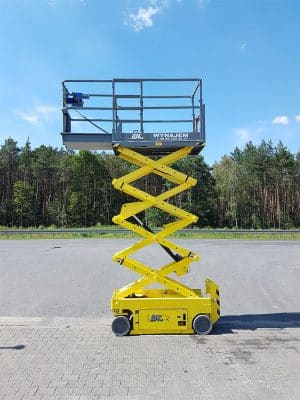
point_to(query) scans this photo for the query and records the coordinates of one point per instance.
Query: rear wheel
(202, 324)
(121, 326)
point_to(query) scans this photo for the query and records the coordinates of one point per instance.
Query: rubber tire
(202, 325)
(121, 326)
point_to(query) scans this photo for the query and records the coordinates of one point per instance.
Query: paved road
(56, 343)
(75, 278)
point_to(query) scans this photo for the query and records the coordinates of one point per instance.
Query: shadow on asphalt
(18, 347)
(228, 323)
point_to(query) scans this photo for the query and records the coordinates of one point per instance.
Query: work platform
(152, 116)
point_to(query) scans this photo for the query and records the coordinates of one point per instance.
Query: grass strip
(183, 235)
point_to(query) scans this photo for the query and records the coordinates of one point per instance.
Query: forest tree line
(254, 187)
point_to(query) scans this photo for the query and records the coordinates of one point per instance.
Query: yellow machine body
(164, 311)
(174, 308)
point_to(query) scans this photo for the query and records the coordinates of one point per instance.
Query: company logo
(136, 136)
(158, 318)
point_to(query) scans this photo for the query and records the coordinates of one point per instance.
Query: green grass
(223, 235)
(240, 236)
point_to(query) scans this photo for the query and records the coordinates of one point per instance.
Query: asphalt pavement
(56, 342)
(75, 278)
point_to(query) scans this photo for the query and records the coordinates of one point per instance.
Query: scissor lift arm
(176, 308)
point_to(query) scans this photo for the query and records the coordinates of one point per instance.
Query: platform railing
(192, 106)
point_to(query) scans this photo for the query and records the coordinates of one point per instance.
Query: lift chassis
(175, 308)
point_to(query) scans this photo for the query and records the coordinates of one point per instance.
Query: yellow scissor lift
(175, 308)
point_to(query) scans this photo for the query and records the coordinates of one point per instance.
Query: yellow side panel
(162, 319)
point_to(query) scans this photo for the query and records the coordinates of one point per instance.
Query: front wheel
(202, 324)
(121, 326)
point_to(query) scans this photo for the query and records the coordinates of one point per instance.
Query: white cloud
(38, 114)
(31, 118)
(297, 118)
(243, 46)
(254, 133)
(266, 130)
(46, 109)
(280, 120)
(243, 135)
(143, 18)
(203, 3)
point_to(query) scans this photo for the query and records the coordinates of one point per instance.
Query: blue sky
(247, 52)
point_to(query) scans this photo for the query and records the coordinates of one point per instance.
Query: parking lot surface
(56, 342)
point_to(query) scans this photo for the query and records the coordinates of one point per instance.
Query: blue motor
(76, 99)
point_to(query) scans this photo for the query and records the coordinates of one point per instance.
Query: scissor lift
(135, 104)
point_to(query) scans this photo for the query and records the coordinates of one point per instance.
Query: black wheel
(121, 326)
(202, 325)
